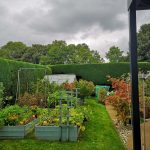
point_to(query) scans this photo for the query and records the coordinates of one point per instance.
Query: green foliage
(58, 52)
(114, 54)
(144, 43)
(95, 137)
(14, 115)
(61, 53)
(53, 98)
(97, 73)
(102, 95)
(9, 74)
(44, 87)
(77, 116)
(1, 94)
(86, 88)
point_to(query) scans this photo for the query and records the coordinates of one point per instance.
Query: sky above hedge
(99, 23)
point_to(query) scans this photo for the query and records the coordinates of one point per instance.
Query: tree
(15, 50)
(143, 38)
(58, 52)
(61, 53)
(114, 54)
(34, 53)
(126, 57)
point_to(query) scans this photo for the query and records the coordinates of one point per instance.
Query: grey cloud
(69, 16)
(41, 21)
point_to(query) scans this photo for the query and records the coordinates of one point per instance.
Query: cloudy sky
(99, 23)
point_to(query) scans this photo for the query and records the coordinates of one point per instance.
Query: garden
(37, 114)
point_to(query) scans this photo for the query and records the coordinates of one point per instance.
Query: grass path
(99, 135)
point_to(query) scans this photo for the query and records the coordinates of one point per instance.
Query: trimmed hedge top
(9, 73)
(97, 72)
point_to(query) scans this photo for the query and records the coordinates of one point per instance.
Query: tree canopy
(114, 54)
(58, 52)
(143, 37)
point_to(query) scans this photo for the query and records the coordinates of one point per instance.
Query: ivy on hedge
(9, 74)
(97, 73)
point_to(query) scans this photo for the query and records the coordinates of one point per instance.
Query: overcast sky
(99, 23)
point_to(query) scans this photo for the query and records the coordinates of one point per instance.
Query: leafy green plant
(44, 87)
(102, 95)
(86, 88)
(77, 116)
(15, 115)
(1, 94)
(53, 98)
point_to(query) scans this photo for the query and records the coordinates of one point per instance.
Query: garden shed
(60, 78)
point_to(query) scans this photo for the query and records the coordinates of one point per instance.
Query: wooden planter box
(69, 133)
(16, 132)
(56, 133)
(51, 133)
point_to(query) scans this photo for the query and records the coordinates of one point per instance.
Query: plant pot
(16, 132)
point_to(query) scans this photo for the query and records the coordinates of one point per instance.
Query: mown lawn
(99, 135)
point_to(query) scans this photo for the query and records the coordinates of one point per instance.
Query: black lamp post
(133, 6)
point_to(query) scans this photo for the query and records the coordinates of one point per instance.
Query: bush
(97, 72)
(102, 95)
(120, 99)
(9, 74)
(14, 115)
(53, 98)
(86, 88)
(36, 99)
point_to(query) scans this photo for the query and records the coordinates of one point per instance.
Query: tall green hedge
(97, 72)
(9, 74)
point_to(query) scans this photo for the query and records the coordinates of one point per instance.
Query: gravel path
(124, 131)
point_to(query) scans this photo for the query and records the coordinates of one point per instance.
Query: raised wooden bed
(16, 132)
(69, 133)
(57, 133)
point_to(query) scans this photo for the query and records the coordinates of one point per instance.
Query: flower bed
(54, 128)
(16, 122)
(15, 132)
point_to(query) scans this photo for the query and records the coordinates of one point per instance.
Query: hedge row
(9, 74)
(97, 72)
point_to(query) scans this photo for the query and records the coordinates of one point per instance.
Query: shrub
(9, 75)
(97, 72)
(14, 115)
(53, 98)
(36, 99)
(120, 100)
(86, 88)
(102, 95)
